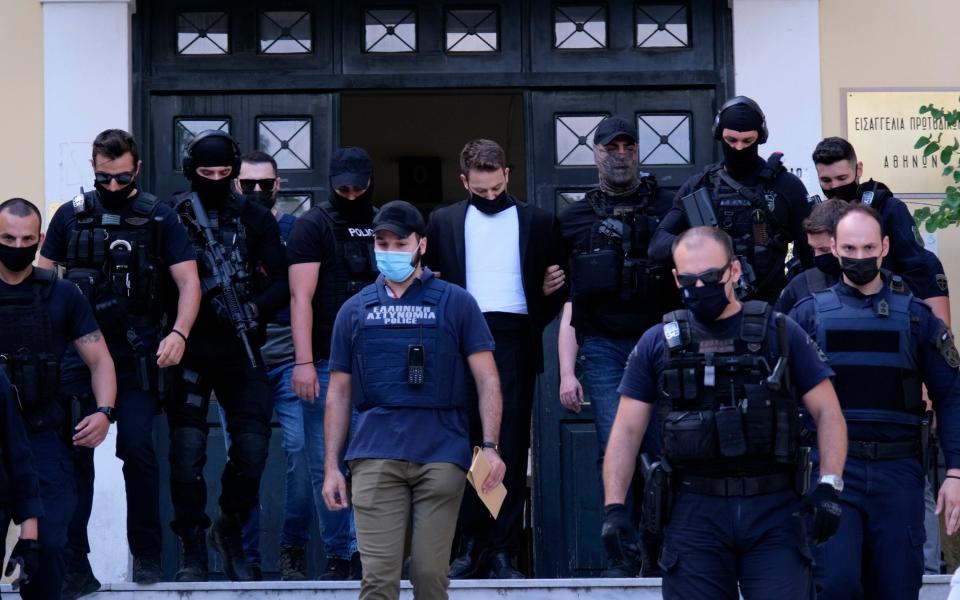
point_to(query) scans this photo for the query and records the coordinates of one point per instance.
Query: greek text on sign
(402, 315)
(884, 126)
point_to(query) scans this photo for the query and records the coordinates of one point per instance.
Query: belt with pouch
(749, 485)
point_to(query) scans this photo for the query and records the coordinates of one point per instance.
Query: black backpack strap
(45, 280)
(145, 204)
(682, 329)
(753, 326)
(82, 203)
(772, 168)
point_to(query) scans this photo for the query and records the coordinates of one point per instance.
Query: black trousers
(515, 355)
(244, 393)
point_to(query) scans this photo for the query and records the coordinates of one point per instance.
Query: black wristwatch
(108, 410)
(492, 445)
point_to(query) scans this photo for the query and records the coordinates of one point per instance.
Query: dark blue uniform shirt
(22, 498)
(417, 435)
(933, 352)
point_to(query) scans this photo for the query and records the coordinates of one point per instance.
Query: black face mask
(356, 211)
(213, 192)
(502, 202)
(114, 200)
(706, 302)
(860, 271)
(828, 263)
(740, 163)
(264, 199)
(848, 191)
(18, 259)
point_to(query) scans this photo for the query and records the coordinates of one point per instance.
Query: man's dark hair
(482, 155)
(258, 157)
(20, 207)
(695, 236)
(114, 143)
(823, 218)
(832, 149)
(858, 207)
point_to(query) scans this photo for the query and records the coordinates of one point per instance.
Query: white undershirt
(494, 275)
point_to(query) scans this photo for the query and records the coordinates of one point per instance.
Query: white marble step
(936, 587)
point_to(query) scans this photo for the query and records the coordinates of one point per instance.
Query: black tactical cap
(350, 166)
(612, 128)
(399, 217)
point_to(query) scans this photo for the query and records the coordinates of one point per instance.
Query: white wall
(86, 75)
(776, 53)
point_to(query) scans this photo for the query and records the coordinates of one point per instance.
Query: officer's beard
(619, 174)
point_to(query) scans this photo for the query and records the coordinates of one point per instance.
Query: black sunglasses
(248, 185)
(708, 277)
(122, 178)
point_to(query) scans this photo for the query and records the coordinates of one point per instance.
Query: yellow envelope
(479, 468)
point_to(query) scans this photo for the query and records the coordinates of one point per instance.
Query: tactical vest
(26, 342)
(755, 217)
(875, 195)
(114, 258)
(353, 267)
(613, 259)
(817, 280)
(873, 352)
(387, 331)
(725, 402)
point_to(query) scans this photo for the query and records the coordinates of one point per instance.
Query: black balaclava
(213, 151)
(359, 210)
(619, 175)
(741, 118)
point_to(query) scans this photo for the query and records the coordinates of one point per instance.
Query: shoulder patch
(942, 282)
(917, 236)
(947, 347)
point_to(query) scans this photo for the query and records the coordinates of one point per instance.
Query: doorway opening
(415, 139)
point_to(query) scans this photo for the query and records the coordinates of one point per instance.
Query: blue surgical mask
(396, 265)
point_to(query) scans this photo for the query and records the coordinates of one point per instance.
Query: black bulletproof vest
(727, 402)
(114, 258)
(26, 342)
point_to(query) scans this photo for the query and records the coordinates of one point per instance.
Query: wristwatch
(492, 445)
(832, 480)
(108, 410)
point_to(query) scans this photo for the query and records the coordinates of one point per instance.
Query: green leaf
(946, 154)
(947, 170)
(921, 214)
(931, 148)
(931, 226)
(924, 110)
(922, 142)
(956, 176)
(951, 202)
(936, 113)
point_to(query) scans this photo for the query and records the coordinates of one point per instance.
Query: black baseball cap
(612, 128)
(350, 166)
(399, 217)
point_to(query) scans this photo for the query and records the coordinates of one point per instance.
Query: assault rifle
(225, 273)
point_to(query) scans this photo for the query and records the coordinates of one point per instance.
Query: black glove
(824, 502)
(26, 554)
(619, 536)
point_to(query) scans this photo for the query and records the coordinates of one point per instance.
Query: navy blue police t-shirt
(644, 366)
(417, 435)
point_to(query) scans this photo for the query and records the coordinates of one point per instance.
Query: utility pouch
(597, 272)
(657, 495)
(690, 436)
(758, 419)
(730, 431)
(88, 280)
(804, 470)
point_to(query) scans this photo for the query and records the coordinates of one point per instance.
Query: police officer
(617, 291)
(331, 258)
(243, 275)
(825, 272)
(758, 203)
(725, 379)
(39, 316)
(883, 345)
(19, 488)
(400, 353)
(839, 172)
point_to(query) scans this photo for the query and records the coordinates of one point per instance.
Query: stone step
(936, 587)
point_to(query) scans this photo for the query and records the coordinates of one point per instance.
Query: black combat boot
(224, 537)
(193, 555)
(146, 570)
(79, 580)
(292, 563)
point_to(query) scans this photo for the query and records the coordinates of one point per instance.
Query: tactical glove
(26, 554)
(824, 502)
(619, 536)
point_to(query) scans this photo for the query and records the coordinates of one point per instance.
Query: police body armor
(614, 260)
(755, 218)
(26, 346)
(403, 357)
(353, 267)
(727, 402)
(114, 259)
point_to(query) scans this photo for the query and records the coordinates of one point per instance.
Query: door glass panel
(390, 31)
(286, 140)
(294, 203)
(203, 33)
(579, 27)
(662, 26)
(184, 130)
(575, 139)
(664, 139)
(472, 30)
(285, 32)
